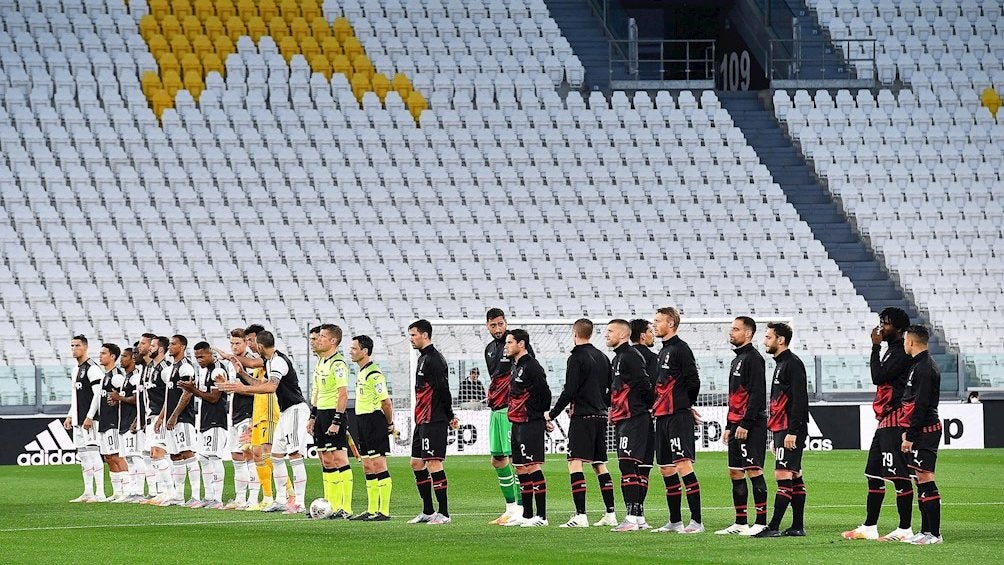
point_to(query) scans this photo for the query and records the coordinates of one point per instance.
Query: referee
(328, 398)
(375, 422)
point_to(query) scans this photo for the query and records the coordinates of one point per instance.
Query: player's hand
(725, 436)
(68, 423)
(114, 396)
(876, 335)
(454, 424)
(907, 446)
(549, 426)
(158, 424)
(228, 386)
(171, 423)
(391, 429)
(187, 386)
(219, 379)
(547, 417)
(88, 423)
(310, 426)
(789, 441)
(741, 433)
(134, 427)
(333, 429)
(697, 415)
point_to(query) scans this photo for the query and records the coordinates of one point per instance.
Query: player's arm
(633, 368)
(94, 375)
(754, 381)
(691, 377)
(573, 381)
(896, 365)
(540, 398)
(922, 401)
(212, 395)
(277, 369)
(441, 387)
(798, 420)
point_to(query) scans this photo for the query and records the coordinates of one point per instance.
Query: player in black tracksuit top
(630, 402)
(922, 432)
(433, 417)
(529, 399)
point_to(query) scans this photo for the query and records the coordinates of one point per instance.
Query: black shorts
(587, 439)
(748, 454)
(527, 443)
(633, 437)
(324, 441)
(429, 442)
(674, 438)
(788, 459)
(649, 456)
(886, 459)
(373, 440)
(924, 456)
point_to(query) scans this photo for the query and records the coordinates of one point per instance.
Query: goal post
(462, 342)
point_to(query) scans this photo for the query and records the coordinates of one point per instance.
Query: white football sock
(218, 476)
(98, 468)
(240, 482)
(279, 476)
(87, 471)
(165, 482)
(194, 476)
(299, 479)
(178, 476)
(254, 484)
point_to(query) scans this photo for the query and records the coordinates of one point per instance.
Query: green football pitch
(37, 524)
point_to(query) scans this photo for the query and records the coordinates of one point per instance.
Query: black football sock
(526, 494)
(781, 500)
(673, 497)
(693, 496)
(439, 486)
(540, 493)
(643, 473)
(798, 503)
(904, 502)
(424, 484)
(930, 505)
(607, 491)
(740, 496)
(759, 484)
(578, 491)
(873, 504)
(921, 490)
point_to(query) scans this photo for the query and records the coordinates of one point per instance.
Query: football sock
(539, 492)
(693, 496)
(346, 491)
(194, 476)
(578, 491)
(526, 492)
(219, 477)
(629, 485)
(299, 480)
(759, 484)
(439, 484)
(138, 471)
(241, 479)
(254, 482)
(178, 470)
(151, 475)
(98, 468)
(930, 507)
(781, 500)
(372, 494)
(165, 481)
(424, 483)
(384, 487)
(873, 504)
(87, 472)
(798, 503)
(116, 479)
(643, 473)
(280, 474)
(331, 481)
(207, 476)
(740, 498)
(607, 491)
(904, 502)
(507, 484)
(673, 497)
(264, 470)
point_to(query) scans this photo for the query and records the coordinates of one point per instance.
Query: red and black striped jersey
(677, 382)
(630, 388)
(747, 387)
(789, 396)
(889, 374)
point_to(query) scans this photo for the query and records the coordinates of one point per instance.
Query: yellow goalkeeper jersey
(266, 406)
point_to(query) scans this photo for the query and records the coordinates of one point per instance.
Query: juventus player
(178, 417)
(155, 390)
(239, 416)
(108, 422)
(433, 417)
(630, 402)
(212, 422)
(83, 409)
(131, 439)
(745, 433)
(922, 432)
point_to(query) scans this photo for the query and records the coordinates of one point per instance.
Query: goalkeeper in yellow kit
(329, 396)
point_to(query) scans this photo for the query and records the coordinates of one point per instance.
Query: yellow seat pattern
(991, 100)
(191, 38)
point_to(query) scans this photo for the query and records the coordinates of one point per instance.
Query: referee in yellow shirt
(375, 423)
(329, 396)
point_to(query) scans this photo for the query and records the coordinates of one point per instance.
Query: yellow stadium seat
(214, 27)
(290, 9)
(148, 27)
(330, 46)
(352, 47)
(361, 65)
(192, 26)
(277, 28)
(212, 62)
(343, 29)
(225, 9)
(150, 82)
(299, 28)
(180, 45)
(309, 48)
(288, 47)
(203, 9)
(256, 29)
(168, 62)
(161, 100)
(309, 10)
(224, 46)
(991, 100)
(172, 83)
(170, 26)
(360, 85)
(341, 64)
(181, 8)
(402, 85)
(416, 104)
(267, 9)
(202, 45)
(235, 28)
(158, 46)
(159, 8)
(191, 62)
(320, 29)
(247, 9)
(381, 85)
(320, 64)
(194, 84)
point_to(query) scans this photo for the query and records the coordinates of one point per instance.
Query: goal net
(463, 341)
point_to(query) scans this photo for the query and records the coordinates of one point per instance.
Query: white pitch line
(301, 519)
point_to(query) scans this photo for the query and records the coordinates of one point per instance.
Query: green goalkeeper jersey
(330, 374)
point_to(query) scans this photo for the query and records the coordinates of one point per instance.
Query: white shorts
(110, 444)
(85, 438)
(181, 438)
(236, 431)
(132, 444)
(213, 442)
(291, 432)
(155, 439)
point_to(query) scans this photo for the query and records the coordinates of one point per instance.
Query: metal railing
(821, 61)
(662, 63)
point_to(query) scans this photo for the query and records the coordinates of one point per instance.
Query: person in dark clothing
(471, 390)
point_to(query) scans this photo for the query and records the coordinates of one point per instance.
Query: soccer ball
(320, 509)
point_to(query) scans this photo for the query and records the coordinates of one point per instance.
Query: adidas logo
(52, 446)
(816, 441)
